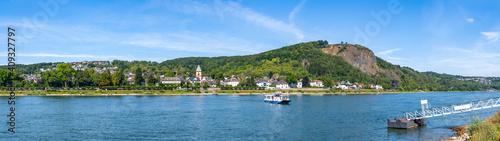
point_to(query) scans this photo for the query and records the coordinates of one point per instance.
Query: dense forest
(290, 63)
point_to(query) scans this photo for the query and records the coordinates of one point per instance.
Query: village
(275, 82)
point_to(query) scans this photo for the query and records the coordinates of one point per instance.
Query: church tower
(198, 72)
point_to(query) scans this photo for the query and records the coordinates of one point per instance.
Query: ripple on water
(229, 117)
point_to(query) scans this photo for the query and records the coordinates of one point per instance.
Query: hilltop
(316, 60)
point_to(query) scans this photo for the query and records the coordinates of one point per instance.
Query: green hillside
(299, 61)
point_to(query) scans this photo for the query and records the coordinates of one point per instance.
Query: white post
(423, 102)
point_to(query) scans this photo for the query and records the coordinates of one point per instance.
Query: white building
(171, 80)
(282, 85)
(233, 81)
(316, 83)
(262, 83)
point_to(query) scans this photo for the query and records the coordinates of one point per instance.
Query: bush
(485, 130)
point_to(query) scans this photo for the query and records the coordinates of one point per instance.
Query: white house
(299, 84)
(262, 83)
(171, 80)
(378, 87)
(130, 80)
(282, 85)
(342, 86)
(233, 81)
(316, 83)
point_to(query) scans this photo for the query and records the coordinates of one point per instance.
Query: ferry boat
(277, 98)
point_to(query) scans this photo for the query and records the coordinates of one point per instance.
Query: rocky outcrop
(360, 57)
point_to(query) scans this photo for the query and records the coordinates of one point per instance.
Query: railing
(454, 108)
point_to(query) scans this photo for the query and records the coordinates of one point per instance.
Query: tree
(271, 74)
(205, 85)
(65, 72)
(217, 74)
(82, 78)
(326, 81)
(105, 79)
(251, 82)
(183, 83)
(138, 76)
(291, 78)
(188, 83)
(50, 79)
(169, 73)
(305, 82)
(4, 77)
(96, 78)
(117, 78)
(151, 80)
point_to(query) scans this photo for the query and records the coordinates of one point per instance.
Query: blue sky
(453, 37)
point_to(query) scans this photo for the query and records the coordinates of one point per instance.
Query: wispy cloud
(72, 56)
(470, 20)
(217, 43)
(387, 55)
(265, 21)
(295, 10)
(225, 9)
(492, 36)
(388, 51)
(471, 62)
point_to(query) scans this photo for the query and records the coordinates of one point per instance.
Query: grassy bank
(190, 92)
(487, 130)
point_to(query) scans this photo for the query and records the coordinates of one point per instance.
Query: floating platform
(405, 123)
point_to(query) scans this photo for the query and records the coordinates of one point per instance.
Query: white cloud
(470, 20)
(386, 55)
(388, 51)
(234, 9)
(265, 21)
(470, 62)
(295, 10)
(71, 56)
(493, 36)
(217, 43)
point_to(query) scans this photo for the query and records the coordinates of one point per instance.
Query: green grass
(487, 130)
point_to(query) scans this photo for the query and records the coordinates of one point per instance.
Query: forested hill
(315, 60)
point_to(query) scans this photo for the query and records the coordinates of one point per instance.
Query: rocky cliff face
(360, 57)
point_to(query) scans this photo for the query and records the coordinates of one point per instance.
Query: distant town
(273, 82)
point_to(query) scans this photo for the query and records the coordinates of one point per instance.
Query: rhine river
(231, 117)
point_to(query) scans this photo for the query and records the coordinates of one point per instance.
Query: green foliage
(487, 130)
(83, 78)
(117, 78)
(105, 79)
(64, 72)
(205, 85)
(291, 78)
(384, 64)
(151, 79)
(305, 82)
(138, 76)
(303, 60)
(327, 82)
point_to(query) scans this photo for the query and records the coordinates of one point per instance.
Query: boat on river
(277, 98)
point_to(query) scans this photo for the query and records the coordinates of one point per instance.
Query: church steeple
(198, 72)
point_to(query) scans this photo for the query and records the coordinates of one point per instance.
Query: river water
(231, 117)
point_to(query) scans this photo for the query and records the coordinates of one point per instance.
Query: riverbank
(199, 92)
(191, 92)
(483, 130)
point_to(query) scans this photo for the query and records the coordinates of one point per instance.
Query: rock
(360, 57)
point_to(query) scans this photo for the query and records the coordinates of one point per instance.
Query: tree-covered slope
(309, 59)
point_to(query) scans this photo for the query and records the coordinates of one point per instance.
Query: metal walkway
(427, 112)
